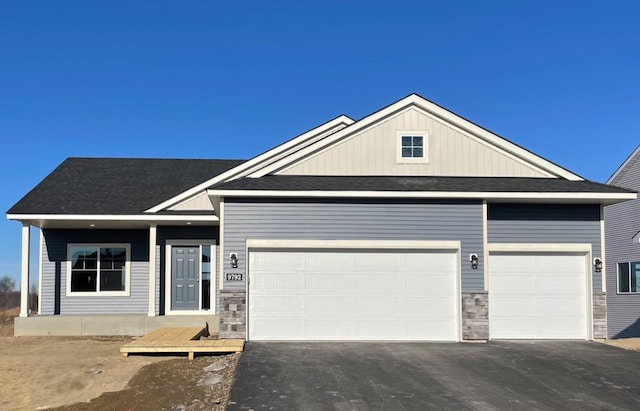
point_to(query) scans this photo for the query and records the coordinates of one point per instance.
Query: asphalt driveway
(421, 376)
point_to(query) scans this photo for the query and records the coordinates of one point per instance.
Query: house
(622, 239)
(411, 223)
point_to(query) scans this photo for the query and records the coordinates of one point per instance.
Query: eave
(112, 221)
(537, 197)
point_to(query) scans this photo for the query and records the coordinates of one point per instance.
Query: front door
(185, 276)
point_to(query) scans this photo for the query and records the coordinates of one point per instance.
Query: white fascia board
(111, 217)
(623, 165)
(439, 112)
(582, 197)
(274, 154)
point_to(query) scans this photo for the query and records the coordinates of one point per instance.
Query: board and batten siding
(450, 151)
(622, 223)
(290, 219)
(54, 273)
(546, 223)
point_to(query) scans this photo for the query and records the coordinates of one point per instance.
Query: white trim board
(113, 217)
(533, 196)
(274, 154)
(355, 244)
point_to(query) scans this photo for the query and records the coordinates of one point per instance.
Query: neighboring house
(409, 224)
(622, 244)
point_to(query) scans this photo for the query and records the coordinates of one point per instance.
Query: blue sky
(205, 79)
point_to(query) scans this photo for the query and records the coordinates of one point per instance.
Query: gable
(200, 202)
(449, 151)
(628, 174)
(460, 148)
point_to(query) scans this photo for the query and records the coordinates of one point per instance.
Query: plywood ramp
(179, 340)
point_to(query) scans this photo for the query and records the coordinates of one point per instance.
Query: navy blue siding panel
(546, 223)
(54, 273)
(622, 223)
(363, 220)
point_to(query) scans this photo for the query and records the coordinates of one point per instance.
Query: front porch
(108, 324)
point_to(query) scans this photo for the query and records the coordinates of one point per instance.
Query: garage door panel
(366, 295)
(538, 295)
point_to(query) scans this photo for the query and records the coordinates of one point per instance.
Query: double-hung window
(629, 277)
(98, 269)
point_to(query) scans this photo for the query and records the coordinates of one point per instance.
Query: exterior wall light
(597, 264)
(234, 260)
(473, 258)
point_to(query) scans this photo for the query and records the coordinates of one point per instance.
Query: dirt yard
(49, 372)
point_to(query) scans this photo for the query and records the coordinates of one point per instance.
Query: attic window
(412, 147)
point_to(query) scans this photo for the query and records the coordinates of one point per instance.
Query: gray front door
(185, 276)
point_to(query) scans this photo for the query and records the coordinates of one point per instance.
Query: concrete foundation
(125, 324)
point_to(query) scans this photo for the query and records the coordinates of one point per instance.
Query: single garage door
(352, 295)
(537, 296)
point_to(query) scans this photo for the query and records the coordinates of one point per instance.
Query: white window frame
(425, 146)
(618, 278)
(169, 244)
(98, 293)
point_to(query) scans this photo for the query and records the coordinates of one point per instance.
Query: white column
(24, 281)
(152, 270)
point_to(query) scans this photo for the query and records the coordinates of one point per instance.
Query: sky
(211, 79)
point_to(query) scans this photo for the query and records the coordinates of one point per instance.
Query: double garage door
(353, 295)
(374, 294)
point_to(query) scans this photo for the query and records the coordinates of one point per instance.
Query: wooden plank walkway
(178, 340)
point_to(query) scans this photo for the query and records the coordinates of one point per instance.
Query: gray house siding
(54, 273)
(287, 219)
(54, 269)
(546, 223)
(622, 223)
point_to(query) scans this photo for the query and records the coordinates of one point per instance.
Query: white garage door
(537, 295)
(361, 295)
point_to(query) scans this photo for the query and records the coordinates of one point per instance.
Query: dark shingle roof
(402, 183)
(116, 185)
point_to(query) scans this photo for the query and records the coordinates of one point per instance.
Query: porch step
(179, 340)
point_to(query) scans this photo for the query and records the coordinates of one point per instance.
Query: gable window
(629, 277)
(412, 147)
(98, 269)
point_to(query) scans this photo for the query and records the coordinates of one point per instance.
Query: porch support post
(152, 269)
(24, 280)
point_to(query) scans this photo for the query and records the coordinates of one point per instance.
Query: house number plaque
(235, 276)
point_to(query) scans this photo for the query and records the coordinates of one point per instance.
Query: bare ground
(49, 372)
(626, 343)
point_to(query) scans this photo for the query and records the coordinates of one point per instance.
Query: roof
(117, 186)
(416, 184)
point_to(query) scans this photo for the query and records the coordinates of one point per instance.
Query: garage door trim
(455, 246)
(552, 248)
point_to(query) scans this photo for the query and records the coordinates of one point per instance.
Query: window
(412, 147)
(101, 269)
(628, 277)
